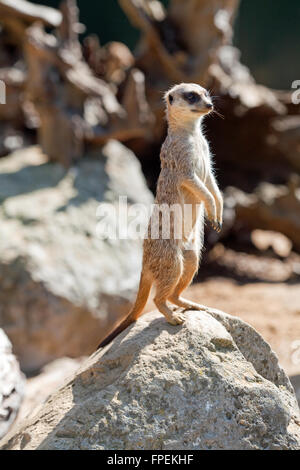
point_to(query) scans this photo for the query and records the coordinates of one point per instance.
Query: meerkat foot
(187, 304)
(174, 318)
(194, 306)
(177, 318)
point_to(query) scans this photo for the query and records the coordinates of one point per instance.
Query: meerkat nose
(209, 105)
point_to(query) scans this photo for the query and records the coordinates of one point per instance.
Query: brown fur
(186, 178)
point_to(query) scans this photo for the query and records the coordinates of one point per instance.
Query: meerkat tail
(135, 313)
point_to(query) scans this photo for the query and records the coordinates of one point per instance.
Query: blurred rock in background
(62, 285)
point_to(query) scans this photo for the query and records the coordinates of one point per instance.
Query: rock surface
(11, 385)
(39, 388)
(60, 281)
(278, 324)
(212, 383)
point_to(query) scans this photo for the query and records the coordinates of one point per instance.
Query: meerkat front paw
(216, 225)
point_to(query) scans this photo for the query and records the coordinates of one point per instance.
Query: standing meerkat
(186, 180)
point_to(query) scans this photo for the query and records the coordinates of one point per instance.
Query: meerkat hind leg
(164, 287)
(191, 261)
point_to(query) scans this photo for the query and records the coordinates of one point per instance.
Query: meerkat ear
(171, 98)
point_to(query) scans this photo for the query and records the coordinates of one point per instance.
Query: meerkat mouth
(201, 111)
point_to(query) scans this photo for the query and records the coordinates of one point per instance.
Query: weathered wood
(191, 42)
(74, 106)
(29, 12)
(184, 40)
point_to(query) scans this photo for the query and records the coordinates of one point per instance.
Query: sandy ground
(273, 309)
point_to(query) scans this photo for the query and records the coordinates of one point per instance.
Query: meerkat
(186, 178)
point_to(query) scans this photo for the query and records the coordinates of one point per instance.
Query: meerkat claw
(177, 318)
(213, 223)
(219, 227)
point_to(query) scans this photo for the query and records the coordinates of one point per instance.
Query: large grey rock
(12, 385)
(61, 285)
(212, 383)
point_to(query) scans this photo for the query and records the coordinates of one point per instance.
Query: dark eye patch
(191, 97)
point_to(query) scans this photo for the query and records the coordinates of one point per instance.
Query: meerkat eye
(191, 97)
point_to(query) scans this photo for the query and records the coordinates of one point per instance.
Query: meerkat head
(187, 102)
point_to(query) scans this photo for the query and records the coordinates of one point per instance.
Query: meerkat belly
(193, 218)
(166, 218)
(167, 190)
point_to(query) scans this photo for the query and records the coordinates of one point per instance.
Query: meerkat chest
(200, 156)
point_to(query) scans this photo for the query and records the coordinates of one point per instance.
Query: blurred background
(83, 124)
(266, 33)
